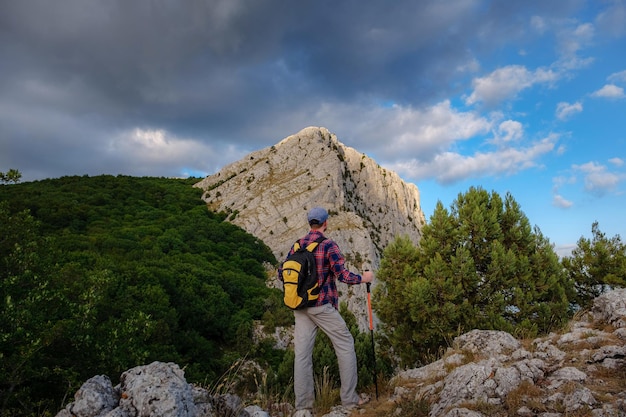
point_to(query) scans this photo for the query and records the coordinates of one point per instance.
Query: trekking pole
(371, 317)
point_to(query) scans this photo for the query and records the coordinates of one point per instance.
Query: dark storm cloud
(77, 74)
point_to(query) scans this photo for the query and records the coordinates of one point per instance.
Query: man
(324, 315)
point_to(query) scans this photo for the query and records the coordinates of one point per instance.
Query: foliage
(29, 301)
(479, 266)
(596, 265)
(11, 176)
(101, 274)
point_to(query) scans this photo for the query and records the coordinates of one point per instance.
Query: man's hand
(367, 276)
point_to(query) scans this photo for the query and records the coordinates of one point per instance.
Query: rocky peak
(269, 192)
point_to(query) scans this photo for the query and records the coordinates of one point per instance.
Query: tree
(596, 265)
(28, 304)
(478, 265)
(12, 175)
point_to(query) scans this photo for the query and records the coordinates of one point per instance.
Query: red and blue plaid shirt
(330, 267)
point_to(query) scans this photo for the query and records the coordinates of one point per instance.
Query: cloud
(572, 39)
(505, 83)
(597, 179)
(509, 131)
(617, 77)
(613, 19)
(561, 202)
(557, 199)
(148, 149)
(146, 88)
(450, 167)
(565, 110)
(397, 131)
(538, 24)
(617, 161)
(609, 91)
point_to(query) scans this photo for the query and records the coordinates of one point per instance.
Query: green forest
(102, 274)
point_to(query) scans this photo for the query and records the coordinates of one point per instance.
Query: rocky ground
(578, 372)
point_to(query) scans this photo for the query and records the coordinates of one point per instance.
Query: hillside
(99, 274)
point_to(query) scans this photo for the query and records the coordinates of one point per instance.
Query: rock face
(269, 192)
(577, 372)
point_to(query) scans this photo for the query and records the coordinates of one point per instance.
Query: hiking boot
(364, 399)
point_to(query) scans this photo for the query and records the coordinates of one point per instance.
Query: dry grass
(606, 382)
(410, 408)
(485, 408)
(526, 394)
(326, 394)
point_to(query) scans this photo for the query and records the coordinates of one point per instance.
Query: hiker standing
(325, 316)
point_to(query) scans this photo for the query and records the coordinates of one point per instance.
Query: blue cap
(317, 215)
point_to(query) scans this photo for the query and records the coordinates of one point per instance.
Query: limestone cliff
(269, 192)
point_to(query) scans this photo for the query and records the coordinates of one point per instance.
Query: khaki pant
(327, 318)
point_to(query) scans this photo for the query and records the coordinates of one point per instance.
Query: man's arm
(337, 267)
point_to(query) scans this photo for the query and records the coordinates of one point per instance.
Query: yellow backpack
(299, 275)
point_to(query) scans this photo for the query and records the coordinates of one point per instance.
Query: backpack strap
(311, 246)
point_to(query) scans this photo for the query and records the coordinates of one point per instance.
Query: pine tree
(596, 265)
(478, 265)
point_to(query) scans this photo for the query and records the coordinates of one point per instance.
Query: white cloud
(393, 132)
(428, 143)
(558, 200)
(561, 202)
(598, 181)
(509, 131)
(449, 167)
(609, 91)
(148, 149)
(151, 144)
(572, 40)
(617, 77)
(617, 161)
(565, 110)
(504, 83)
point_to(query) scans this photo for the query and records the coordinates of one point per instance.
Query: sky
(520, 97)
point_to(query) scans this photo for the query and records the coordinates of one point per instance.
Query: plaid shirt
(330, 267)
